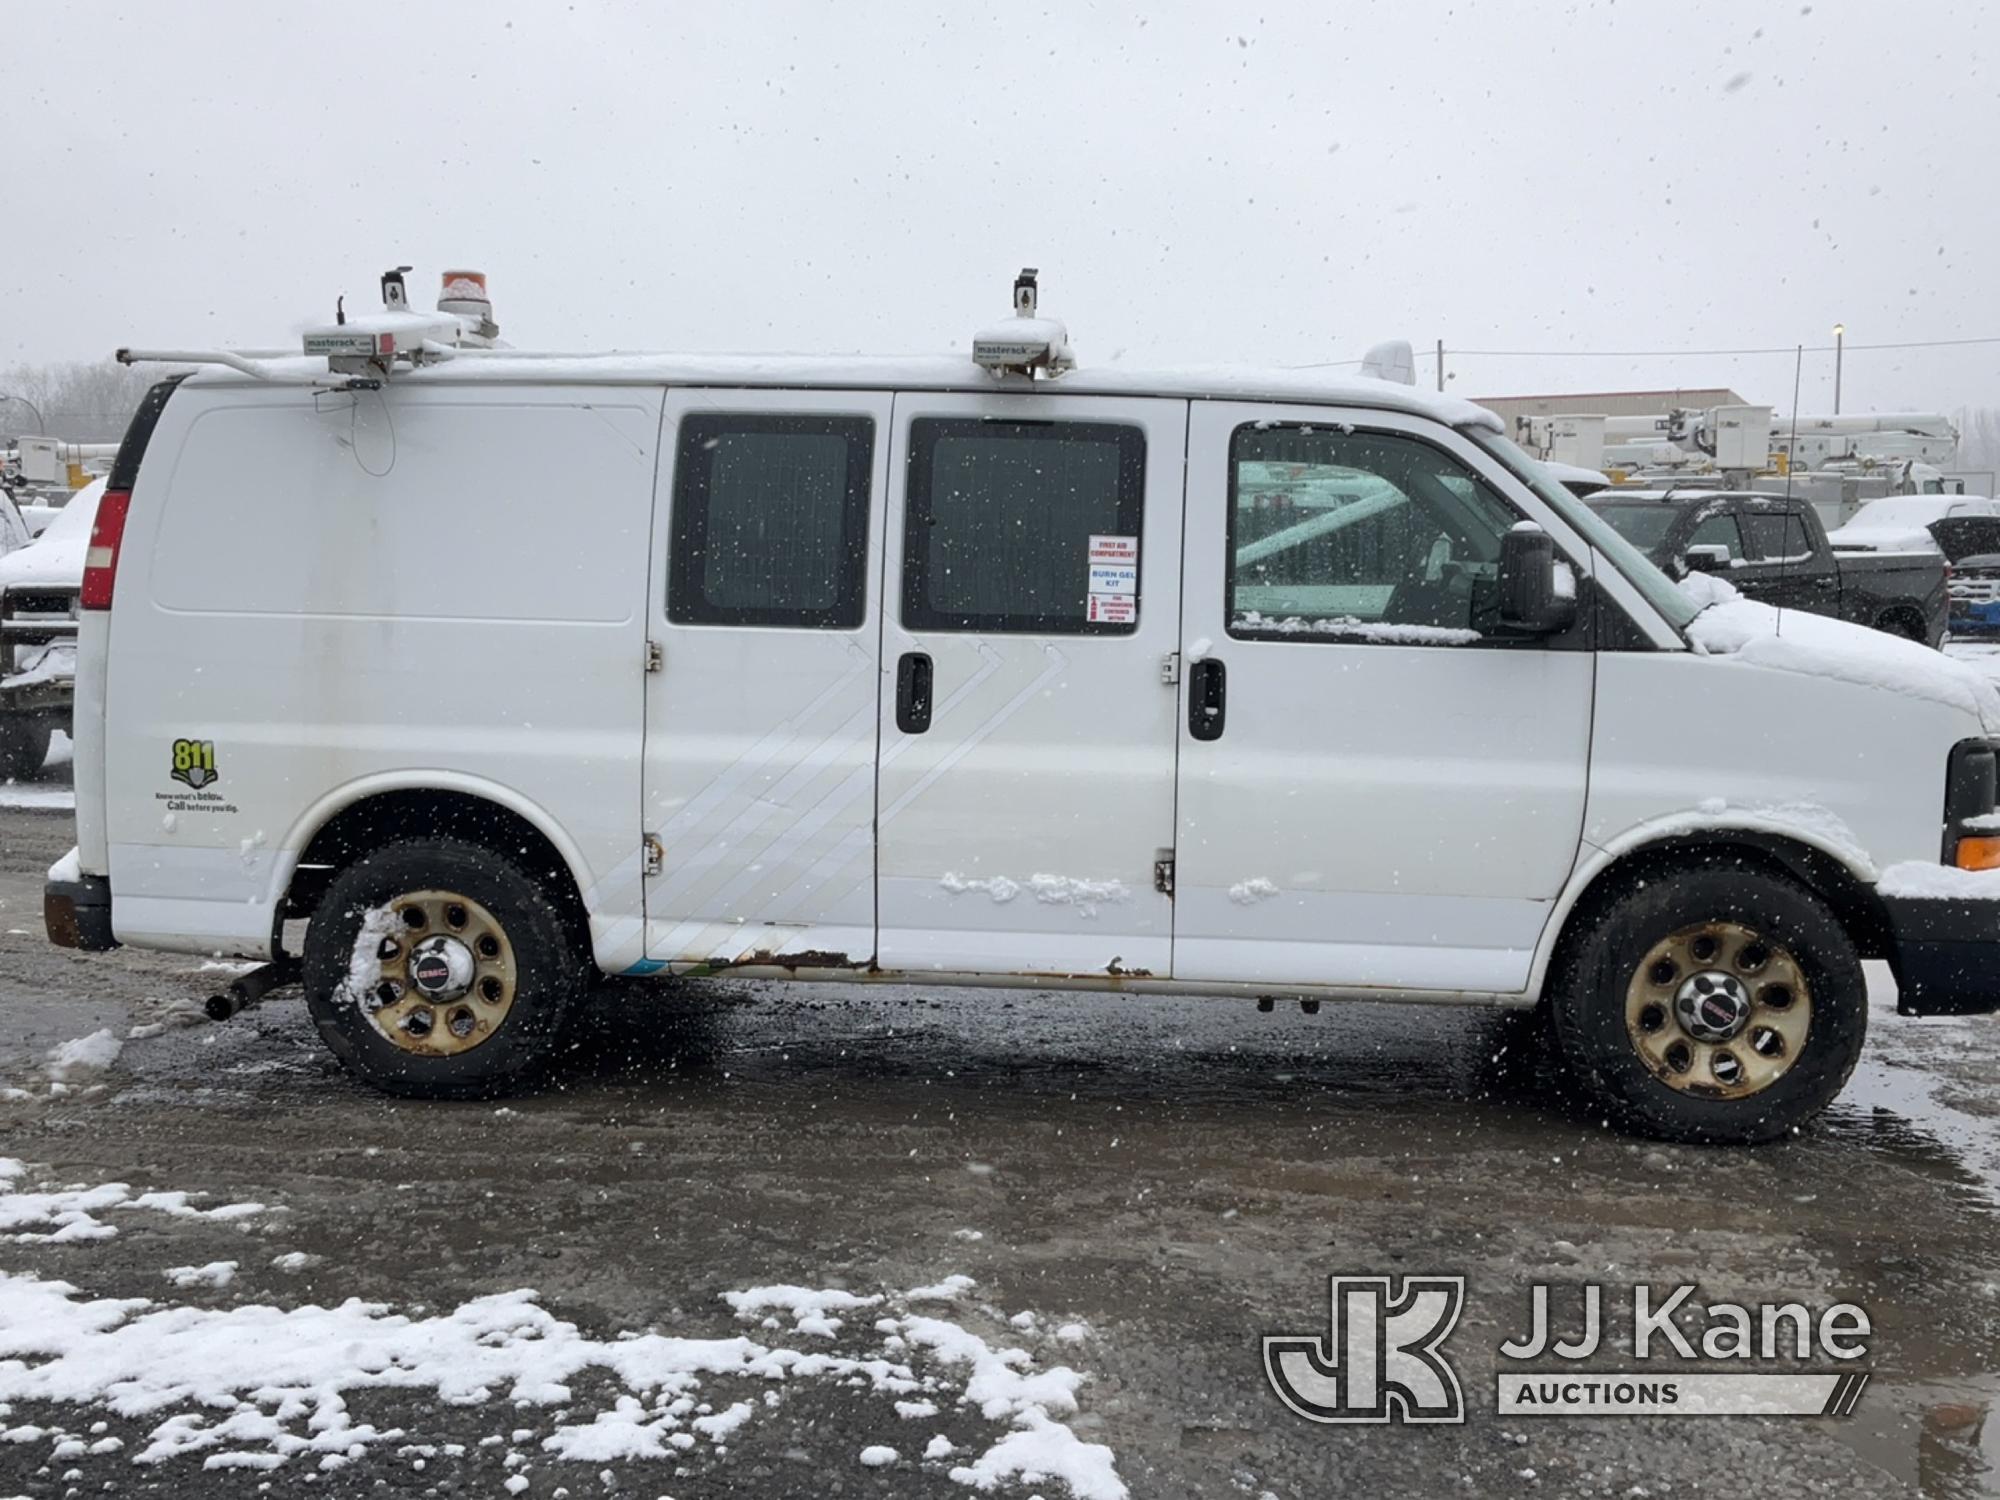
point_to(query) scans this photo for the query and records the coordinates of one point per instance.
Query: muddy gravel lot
(769, 1240)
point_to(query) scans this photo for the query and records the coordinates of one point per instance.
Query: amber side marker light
(1979, 852)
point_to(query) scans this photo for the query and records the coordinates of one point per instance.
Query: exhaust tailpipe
(245, 990)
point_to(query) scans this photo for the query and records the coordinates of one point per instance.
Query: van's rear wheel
(439, 969)
(1713, 1005)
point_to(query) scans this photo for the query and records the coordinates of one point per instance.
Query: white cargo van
(457, 683)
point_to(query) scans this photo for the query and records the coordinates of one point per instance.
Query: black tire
(548, 969)
(24, 744)
(1910, 627)
(1588, 1001)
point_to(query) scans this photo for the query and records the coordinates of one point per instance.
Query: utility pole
(1839, 339)
(1836, 405)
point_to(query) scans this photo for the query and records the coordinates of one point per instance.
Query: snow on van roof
(918, 372)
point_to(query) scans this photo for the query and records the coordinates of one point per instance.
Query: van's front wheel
(439, 969)
(1713, 1004)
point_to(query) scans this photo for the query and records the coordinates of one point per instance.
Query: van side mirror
(1711, 557)
(1537, 592)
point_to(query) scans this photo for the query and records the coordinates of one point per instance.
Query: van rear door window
(1005, 521)
(770, 521)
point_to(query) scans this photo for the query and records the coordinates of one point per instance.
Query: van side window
(1005, 519)
(770, 521)
(1359, 536)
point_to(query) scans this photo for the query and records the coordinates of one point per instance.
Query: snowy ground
(771, 1241)
(1984, 655)
(50, 793)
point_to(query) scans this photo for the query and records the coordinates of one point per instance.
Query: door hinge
(1163, 875)
(656, 656)
(656, 855)
(1170, 668)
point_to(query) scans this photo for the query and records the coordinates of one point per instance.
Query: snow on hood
(56, 556)
(1815, 646)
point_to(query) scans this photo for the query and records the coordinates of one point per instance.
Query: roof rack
(362, 353)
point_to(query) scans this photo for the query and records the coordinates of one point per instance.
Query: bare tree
(83, 403)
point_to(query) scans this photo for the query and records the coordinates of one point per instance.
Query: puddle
(1900, 1099)
(1942, 1440)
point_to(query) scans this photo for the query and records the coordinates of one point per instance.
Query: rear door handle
(1208, 694)
(913, 692)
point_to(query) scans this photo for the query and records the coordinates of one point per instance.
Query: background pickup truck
(1775, 550)
(39, 586)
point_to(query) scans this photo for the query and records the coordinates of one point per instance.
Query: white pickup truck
(39, 584)
(1255, 684)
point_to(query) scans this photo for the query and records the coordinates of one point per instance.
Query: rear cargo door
(761, 707)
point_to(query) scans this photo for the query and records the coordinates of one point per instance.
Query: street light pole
(40, 425)
(1839, 339)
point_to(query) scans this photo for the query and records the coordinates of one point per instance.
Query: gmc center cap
(441, 967)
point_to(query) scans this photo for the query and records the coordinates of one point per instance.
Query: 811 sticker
(194, 763)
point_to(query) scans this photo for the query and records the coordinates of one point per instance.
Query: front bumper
(1945, 954)
(77, 913)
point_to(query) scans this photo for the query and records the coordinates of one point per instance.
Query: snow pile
(811, 1310)
(56, 556)
(215, 1273)
(1815, 646)
(1707, 588)
(1809, 822)
(364, 962)
(85, 1054)
(65, 1215)
(69, 867)
(1052, 890)
(1933, 882)
(1071, 890)
(999, 887)
(256, 1386)
(1347, 627)
(1250, 892)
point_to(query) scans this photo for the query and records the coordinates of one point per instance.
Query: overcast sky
(1267, 182)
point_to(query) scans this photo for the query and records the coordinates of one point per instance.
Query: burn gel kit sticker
(1114, 580)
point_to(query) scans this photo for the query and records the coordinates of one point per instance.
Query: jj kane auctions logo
(1382, 1359)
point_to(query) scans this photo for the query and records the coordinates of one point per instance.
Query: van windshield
(1675, 607)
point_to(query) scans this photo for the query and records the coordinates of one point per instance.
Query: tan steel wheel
(447, 975)
(1718, 1010)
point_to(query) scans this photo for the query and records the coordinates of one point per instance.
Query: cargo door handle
(1208, 691)
(913, 692)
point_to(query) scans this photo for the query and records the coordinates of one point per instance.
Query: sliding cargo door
(1032, 598)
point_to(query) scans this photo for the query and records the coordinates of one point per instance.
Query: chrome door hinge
(656, 855)
(1163, 875)
(1170, 668)
(656, 656)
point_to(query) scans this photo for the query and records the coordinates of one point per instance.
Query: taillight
(100, 563)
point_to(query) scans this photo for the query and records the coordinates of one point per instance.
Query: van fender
(330, 805)
(1804, 824)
